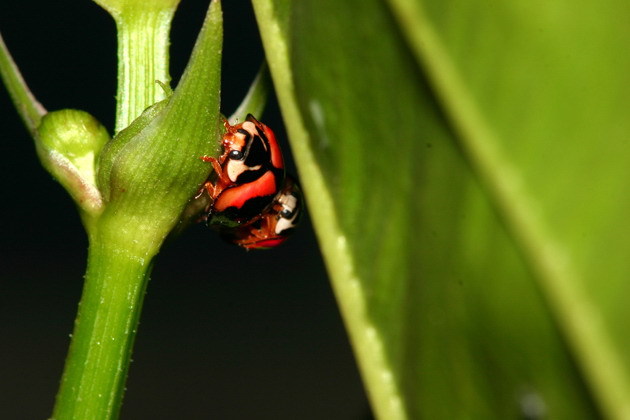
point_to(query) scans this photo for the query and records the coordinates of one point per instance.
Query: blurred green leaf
(465, 164)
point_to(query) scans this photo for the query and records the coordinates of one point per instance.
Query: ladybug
(249, 174)
(272, 227)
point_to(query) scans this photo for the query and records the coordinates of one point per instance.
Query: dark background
(224, 333)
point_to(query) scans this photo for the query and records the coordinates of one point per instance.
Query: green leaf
(113, 151)
(465, 164)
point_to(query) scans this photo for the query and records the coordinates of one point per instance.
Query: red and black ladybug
(249, 174)
(273, 226)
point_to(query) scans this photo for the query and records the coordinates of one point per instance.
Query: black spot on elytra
(258, 152)
(250, 176)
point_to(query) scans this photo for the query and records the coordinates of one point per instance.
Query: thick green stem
(94, 378)
(120, 252)
(146, 175)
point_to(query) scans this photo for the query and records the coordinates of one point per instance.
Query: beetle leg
(265, 227)
(208, 159)
(222, 177)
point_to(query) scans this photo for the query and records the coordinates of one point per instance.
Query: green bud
(68, 143)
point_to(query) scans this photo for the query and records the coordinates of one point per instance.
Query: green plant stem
(121, 246)
(256, 99)
(142, 60)
(117, 274)
(30, 110)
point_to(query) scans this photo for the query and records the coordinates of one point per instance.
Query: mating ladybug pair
(254, 205)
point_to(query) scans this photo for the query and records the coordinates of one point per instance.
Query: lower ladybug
(273, 226)
(249, 174)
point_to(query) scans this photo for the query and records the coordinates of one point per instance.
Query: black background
(224, 333)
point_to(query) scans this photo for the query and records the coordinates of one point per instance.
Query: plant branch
(96, 369)
(256, 98)
(30, 110)
(143, 32)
